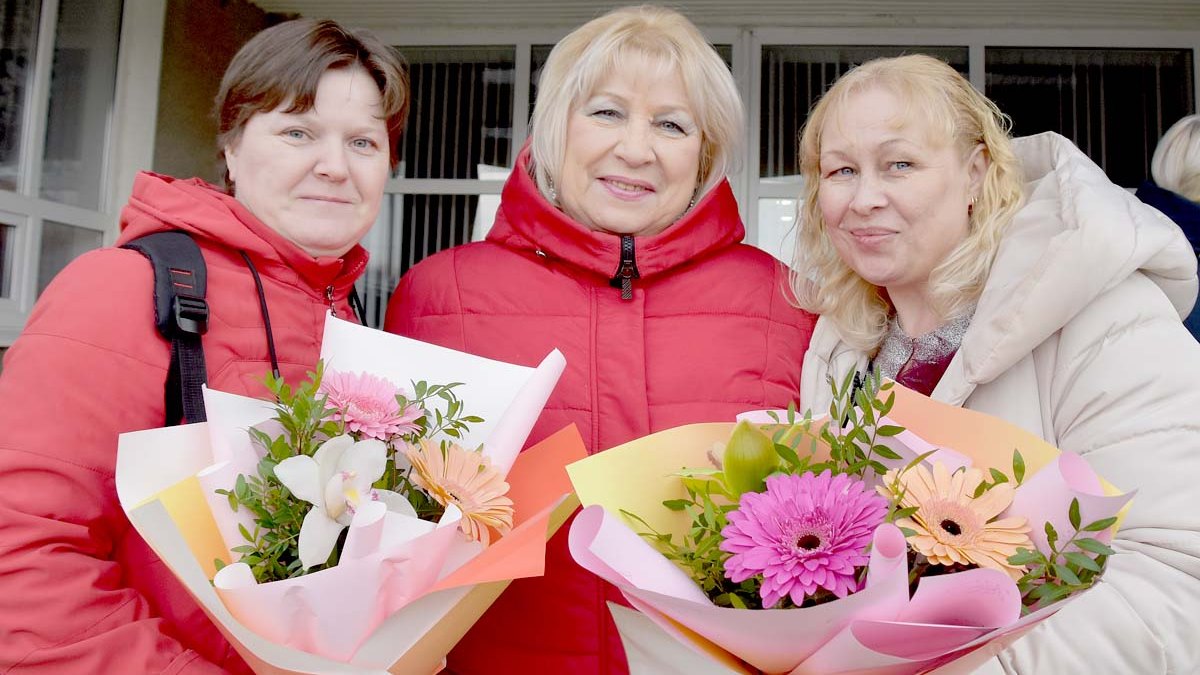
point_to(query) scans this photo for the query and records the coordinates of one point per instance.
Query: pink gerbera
(803, 534)
(367, 405)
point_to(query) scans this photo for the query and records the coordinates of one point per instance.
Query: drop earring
(553, 192)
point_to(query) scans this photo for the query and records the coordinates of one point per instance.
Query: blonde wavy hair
(582, 60)
(1176, 163)
(953, 110)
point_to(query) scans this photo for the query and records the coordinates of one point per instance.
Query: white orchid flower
(336, 480)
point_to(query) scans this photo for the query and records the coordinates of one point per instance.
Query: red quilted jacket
(708, 333)
(80, 592)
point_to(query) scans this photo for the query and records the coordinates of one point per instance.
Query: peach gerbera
(467, 479)
(951, 526)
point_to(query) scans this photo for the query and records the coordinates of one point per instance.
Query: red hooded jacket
(708, 333)
(80, 592)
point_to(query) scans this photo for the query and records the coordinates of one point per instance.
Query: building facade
(95, 90)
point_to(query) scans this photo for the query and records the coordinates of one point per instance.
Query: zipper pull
(329, 299)
(627, 269)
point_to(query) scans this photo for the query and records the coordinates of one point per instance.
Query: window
(1113, 103)
(457, 146)
(58, 72)
(475, 104)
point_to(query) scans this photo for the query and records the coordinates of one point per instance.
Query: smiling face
(894, 199)
(632, 152)
(316, 177)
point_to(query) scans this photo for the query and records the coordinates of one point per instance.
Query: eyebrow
(684, 108)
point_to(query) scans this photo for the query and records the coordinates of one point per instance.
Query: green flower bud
(749, 458)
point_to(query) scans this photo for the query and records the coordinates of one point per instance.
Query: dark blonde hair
(285, 63)
(952, 110)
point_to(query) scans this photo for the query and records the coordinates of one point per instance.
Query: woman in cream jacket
(1038, 292)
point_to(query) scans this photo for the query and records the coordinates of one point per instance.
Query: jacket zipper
(329, 299)
(627, 269)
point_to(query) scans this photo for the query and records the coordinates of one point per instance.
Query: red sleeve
(88, 366)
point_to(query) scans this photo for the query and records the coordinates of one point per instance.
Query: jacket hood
(160, 203)
(1077, 236)
(526, 221)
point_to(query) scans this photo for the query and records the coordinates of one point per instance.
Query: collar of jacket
(202, 210)
(1185, 212)
(526, 221)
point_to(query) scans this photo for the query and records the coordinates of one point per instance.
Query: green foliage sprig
(1053, 577)
(272, 547)
(854, 449)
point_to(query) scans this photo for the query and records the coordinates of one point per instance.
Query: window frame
(129, 147)
(747, 44)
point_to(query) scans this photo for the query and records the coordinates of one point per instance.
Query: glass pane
(793, 78)
(1113, 103)
(540, 53)
(18, 31)
(7, 249)
(777, 227)
(410, 228)
(61, 244)
(81, 96)
(461, 114)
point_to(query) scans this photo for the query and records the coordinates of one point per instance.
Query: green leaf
(1024, 556)
(998, 477)
(885, 452)
(1051, 536)
(1094, 546)
(1073, 514)
(1018, 467)
(889, 430)
(1063, 572)
(1081, 561)
(788, 455)
(908, 532)
(1100, 525)
(677, 504)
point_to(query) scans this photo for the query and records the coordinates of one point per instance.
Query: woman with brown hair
(310, 117)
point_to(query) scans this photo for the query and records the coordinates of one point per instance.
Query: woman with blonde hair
(1175, 188)
(1011, 277)
(617, 241)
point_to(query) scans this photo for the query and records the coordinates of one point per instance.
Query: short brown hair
(285, 63)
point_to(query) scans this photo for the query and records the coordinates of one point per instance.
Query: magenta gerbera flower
(367, 405)
(803, 534)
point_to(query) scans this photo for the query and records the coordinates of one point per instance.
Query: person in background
(617, 241)
(310, 118)
(1012, 278)
(1175, 188)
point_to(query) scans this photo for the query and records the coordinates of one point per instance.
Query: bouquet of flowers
(846, 544)
(354, 524)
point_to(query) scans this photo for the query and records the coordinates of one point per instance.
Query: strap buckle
(191, 315)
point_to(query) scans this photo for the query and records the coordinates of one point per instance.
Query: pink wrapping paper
(951, 622)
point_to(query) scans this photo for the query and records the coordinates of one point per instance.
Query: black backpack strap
(181, 316)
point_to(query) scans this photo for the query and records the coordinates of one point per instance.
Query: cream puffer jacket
(1077, 338)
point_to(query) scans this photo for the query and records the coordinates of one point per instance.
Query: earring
(550, 188)
(971, 207)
